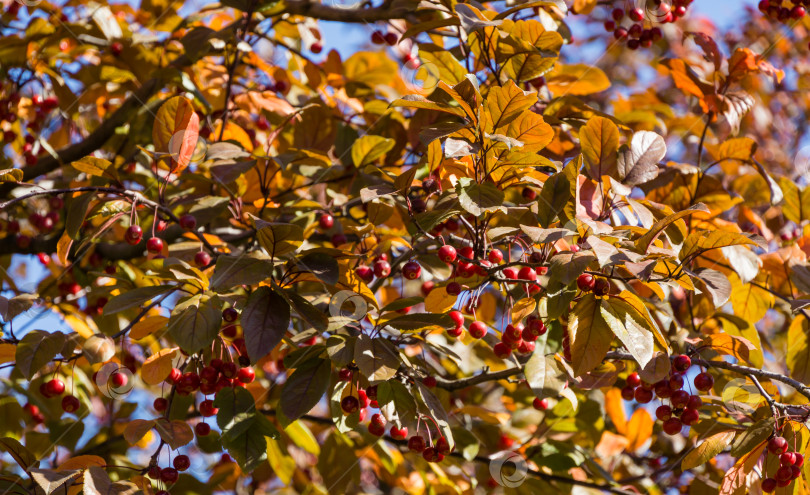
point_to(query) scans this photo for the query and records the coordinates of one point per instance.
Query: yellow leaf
(63, 248)
(439, 301)
(599, 139)
(7, 353)
(523, 308)
(531, 130)
(301, 435)
(614, 406)
(95, 166)
(486, 415)
(577, 79)
(703, 240)
(730, 345)
(11, 175)
(136, 429)
(750, 302)
(148, 326)
(590, 335)
(81, 462)
(505, 103)
(282, 464)
(234, 133)
(707, 450)
(584, 6)
(368, 149)
(158, 366)
(798, 349)
(639, 429)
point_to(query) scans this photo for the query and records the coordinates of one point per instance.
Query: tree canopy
(520, 247)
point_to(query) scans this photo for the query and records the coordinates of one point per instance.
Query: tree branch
(385, 12)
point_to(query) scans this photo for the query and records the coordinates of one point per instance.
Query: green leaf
(305, 387)
(415, 322)
(590, 335)
(338, 464)
(377, 358)
(279, 238)
(21, 455)
(368, 149)
(314, 317)
(707, 450)
(643, 242)
(246, 269)
(344, 423)
(544, 375)
(322, 265)
(753, 436)
(196, 326)
(76, 213)
(637, 340)
(396, 402)
(36, 349)
(478, 198)
(134, 298)
(556, 193)
(265, 320)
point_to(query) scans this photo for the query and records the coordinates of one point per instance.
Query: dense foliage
(459, 259)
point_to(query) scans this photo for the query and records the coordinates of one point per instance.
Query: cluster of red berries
(56, 387)
(784, 11)
(36, 415)
(326, 222)
(380, 38)
(639, 33)
(381, 268)
(364, 399)
(42, 223)
(683, 407)
(169, 475)
(790, 464)
(213, 377)
(8, 113)
(435, 452)
(598, 285)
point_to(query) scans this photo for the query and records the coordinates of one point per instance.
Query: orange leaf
(614, 406)
(639, 429)
(176, 130)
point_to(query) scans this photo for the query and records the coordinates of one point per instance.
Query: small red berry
(160, 404)
(154, 245)
(202, 429)
(777, 445)
(672, 426)
(378, 38)
(412, 270)
(134, 234)
(181, 462)
(704, 382)
(586, 282)
(70, 404)
(429, 381)
(633, 380)
(201, 259)
(349, 404)
(540, 404)
(169, 475)
(416, 444)
(326, 221)
(246, 375)
(188, 222)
